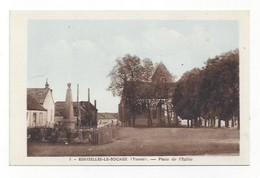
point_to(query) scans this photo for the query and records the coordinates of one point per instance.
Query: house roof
(32, 104)
(107, 115)
(39, 94)
(59, 107)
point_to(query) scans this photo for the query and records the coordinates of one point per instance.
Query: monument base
(69, 124)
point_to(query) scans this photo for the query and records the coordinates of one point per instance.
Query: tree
(210, 92)
(220, 88)
(148, 90)
(124, 77)
(186, 102)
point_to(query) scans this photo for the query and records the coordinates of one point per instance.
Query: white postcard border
(18, 85)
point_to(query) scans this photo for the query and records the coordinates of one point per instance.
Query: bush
(38, 133)
(35, 134)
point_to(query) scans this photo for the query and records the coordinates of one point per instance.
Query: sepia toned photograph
(130, 88)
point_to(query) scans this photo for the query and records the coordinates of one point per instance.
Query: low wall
(104, 135)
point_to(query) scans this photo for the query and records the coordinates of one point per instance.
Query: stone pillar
(69, 120)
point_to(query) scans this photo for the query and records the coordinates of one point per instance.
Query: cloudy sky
(84, 51)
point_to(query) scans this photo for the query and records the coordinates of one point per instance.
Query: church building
(154, 100)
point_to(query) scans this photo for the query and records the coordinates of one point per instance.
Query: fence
(104, 135)
(94, 136)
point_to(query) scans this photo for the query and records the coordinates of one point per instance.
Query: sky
(84, 51)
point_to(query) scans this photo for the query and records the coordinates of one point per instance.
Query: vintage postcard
(129, 88)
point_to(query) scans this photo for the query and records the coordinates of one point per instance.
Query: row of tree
(209, 93)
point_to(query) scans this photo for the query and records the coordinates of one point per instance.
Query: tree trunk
(227, 123)
(219, 122)
(150, 123)
(176, 120)
(168, 115)
(188, 123)
(133, 119)
(200, 122)
(129, 123)
(232, 122)
(213, 122)
(160, 113)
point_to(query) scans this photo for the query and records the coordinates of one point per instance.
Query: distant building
(40, 107)
(107, 118)
(75, 114)
(85, 113)
(154, 99)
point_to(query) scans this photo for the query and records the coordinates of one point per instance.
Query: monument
(68, 120)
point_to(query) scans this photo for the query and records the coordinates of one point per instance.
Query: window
(163, 79)
(34, 119)
(40, 119)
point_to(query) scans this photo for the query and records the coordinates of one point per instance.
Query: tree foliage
(186, 99)
(211, 91)
(127, 69)
(126, 76)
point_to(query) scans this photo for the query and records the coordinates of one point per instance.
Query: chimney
(46, 84)
(88, 95)
(95, 105)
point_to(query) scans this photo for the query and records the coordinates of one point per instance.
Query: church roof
(161, 72)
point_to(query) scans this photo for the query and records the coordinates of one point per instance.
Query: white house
(107, 119)
(44, 97)
(36, 113)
